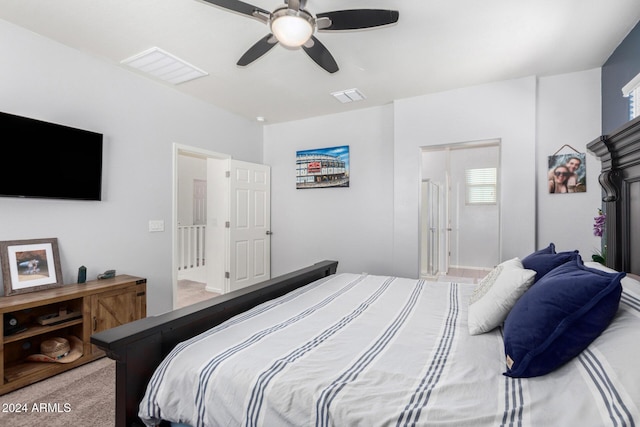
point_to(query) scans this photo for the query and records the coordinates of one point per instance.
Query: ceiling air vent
(164, 66)
(349, 95)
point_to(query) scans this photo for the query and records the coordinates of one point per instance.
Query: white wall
(569, 113)
(374, 225)
(140, 120)
(352, 225)
(370, 226)
(503, 110)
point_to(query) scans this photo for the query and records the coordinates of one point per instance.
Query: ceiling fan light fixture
(292, 28)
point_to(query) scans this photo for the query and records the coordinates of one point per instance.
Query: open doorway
(460, 210)
(190, 224)
(221, 227)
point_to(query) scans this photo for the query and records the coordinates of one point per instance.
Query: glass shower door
(430, 228)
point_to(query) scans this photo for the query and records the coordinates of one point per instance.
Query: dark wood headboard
(619, 153)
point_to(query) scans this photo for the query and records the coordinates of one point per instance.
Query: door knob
(269, 233)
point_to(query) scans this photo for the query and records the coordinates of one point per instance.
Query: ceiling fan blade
(263, 46)
(320, 55)
(238, 6)
(358, 18)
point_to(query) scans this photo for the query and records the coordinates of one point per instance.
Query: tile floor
(463, 275)
(190, 292)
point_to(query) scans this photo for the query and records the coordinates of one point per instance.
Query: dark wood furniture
(619, 153)
(139, 347)
(86, 308)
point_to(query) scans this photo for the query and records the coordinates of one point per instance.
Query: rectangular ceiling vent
(164, 66)
(349, 95)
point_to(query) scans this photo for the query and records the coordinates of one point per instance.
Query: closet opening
(460, 210)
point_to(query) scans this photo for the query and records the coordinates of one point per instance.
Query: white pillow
(630, 282)
(496, 294)
(598, 266)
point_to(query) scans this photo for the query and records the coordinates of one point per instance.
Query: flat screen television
(46, 160)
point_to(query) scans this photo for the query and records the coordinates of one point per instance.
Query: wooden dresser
(91, 307)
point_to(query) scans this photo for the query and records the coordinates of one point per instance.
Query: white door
(430, 229)
(249, 260)
(216, 234)
(199, 201)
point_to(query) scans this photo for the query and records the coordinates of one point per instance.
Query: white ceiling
(436, 45)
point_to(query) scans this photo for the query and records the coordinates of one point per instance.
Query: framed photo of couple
(567, 173)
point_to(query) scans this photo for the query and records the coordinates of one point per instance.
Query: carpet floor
(84, 396)
(190, 292)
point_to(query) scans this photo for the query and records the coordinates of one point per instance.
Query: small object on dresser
(82, 274)
(11, 325)
(107, 274)
(59, 350)
(60, 317)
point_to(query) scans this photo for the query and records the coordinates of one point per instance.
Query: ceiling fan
(293, 26)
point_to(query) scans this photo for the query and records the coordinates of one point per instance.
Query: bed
(318, 348)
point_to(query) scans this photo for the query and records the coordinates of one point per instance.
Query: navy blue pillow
(559, 317)
(545, 260)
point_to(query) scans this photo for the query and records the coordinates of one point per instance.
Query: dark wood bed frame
(619, 153)
(140, 346)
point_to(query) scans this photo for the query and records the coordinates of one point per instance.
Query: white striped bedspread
(364, 350)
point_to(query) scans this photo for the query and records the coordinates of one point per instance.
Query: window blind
(481, 186)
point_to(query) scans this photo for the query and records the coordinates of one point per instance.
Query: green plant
(598, 230)
(600, 256)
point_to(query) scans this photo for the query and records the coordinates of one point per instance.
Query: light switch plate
(156, 225)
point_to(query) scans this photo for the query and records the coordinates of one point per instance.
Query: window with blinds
(633, 108)
(481, 186)
(632, 91)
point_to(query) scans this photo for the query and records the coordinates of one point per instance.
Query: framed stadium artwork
(322, 167)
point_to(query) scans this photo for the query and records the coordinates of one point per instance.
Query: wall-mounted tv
(46, 160)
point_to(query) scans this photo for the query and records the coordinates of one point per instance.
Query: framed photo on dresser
(30, 265)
